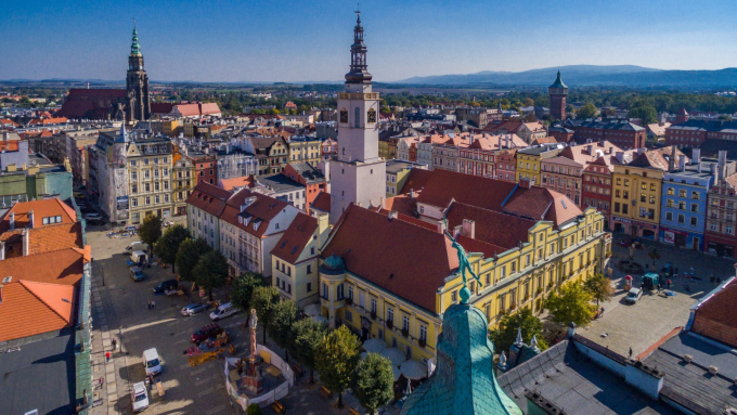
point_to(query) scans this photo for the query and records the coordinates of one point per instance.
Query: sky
(295, 41)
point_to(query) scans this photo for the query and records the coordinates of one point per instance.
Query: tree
(308, 337)
(167, 246)
(283, 317)
(211, 271)
(337, 360)
(263, 300)
(188, 255)
(644, 111)
(506, 333)
(599, 287)
(587, 111)
(243, 287)
(373, 382)
(572, 303)
(253, 409)
(150, 231)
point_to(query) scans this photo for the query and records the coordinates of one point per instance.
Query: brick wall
(715, 330)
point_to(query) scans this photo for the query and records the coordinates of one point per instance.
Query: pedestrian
(153, 304)
(668, 282)
(107, 357)
(630, 353)
(115, 344)
(148, 304)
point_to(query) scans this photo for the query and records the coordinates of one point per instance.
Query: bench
(326, 392)
(278, 408)
(353, 412)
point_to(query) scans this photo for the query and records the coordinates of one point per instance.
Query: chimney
(2, 251)
(524, 183)
(538, 405)
(469, 228)
(412, 194)
(442, 226)
(696, 156)
(500, 142)
(571, 329)
(722, 157)
(646, 378)
(641, 150)
(457, 231)
(11, 219)
(26, 242)
(620, 157)
(471, 138)
(507, 141)
(589, 149)
(393, 214)
(30, 219)
(672, 158)
(681, 162)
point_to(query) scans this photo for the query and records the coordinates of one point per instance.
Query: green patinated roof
(135, 47)
(464, 381)
(558, 83)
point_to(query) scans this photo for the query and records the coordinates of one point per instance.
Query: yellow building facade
(305, 151)
(636, 193)
(529, 162)
(518, 278)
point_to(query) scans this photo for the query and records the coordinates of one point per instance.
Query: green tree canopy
(211, 271)
(572, 303)
(167, 246)
(600, 288)
(243, 287)
(644, 111)
(188, 255)
(373, 382)
(506, 333)
(283, 317)
(337, 360)
(587, 111)
(150, 230)
(263, 300)
(308, 337)
(253, 409)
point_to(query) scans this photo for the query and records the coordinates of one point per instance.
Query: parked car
(626, 243)
(93, 217)
(194, 308)
(166, 286)
(210, 330)
(138, 257)
(151, 362)
(225, 310)
(139, 397)
(136, 274)
(633, 295)
(136, 246)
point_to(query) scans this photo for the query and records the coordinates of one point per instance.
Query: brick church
(130, 104)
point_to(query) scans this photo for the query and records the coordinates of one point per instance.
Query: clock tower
(359, 174)
(136, 83)
(558, 93)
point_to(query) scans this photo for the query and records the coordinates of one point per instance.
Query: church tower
(359, 174)
(136, 83)
(558, 93)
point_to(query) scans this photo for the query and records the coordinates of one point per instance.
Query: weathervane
(358, 11)
(463, 266)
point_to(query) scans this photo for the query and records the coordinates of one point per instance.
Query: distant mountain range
(589, 75)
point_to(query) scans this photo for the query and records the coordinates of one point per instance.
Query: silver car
(194, 308)
(633, 295)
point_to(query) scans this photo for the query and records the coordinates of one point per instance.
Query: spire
(558, 82)
(358, 73)
(123, 135)
(135, 47)
(533, 344)
(518, 342)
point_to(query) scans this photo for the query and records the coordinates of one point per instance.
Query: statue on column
(253, 323)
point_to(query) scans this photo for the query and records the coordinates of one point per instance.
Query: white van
(151, 362)
(225, 310)
(138, 257)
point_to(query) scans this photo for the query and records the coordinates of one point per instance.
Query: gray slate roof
(577, 385)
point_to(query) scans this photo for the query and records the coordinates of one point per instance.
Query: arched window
(357, 119)
(344, 116)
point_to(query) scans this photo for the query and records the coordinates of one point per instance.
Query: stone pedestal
(252, 384)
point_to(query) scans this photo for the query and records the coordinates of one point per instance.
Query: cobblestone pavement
(640, 325)
(119, 312)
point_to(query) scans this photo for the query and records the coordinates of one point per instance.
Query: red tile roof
(41, 209)
(296, 238)
(321, 202)
(403, 204)
(405, 259)
(495, 228)
(256, 216)
(28, 308)
(209, 198)
(55, 267)
(416, 180)
(237, 182)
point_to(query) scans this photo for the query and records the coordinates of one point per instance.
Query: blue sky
(286, 40)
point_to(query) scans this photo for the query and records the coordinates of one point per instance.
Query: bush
(253, 409)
